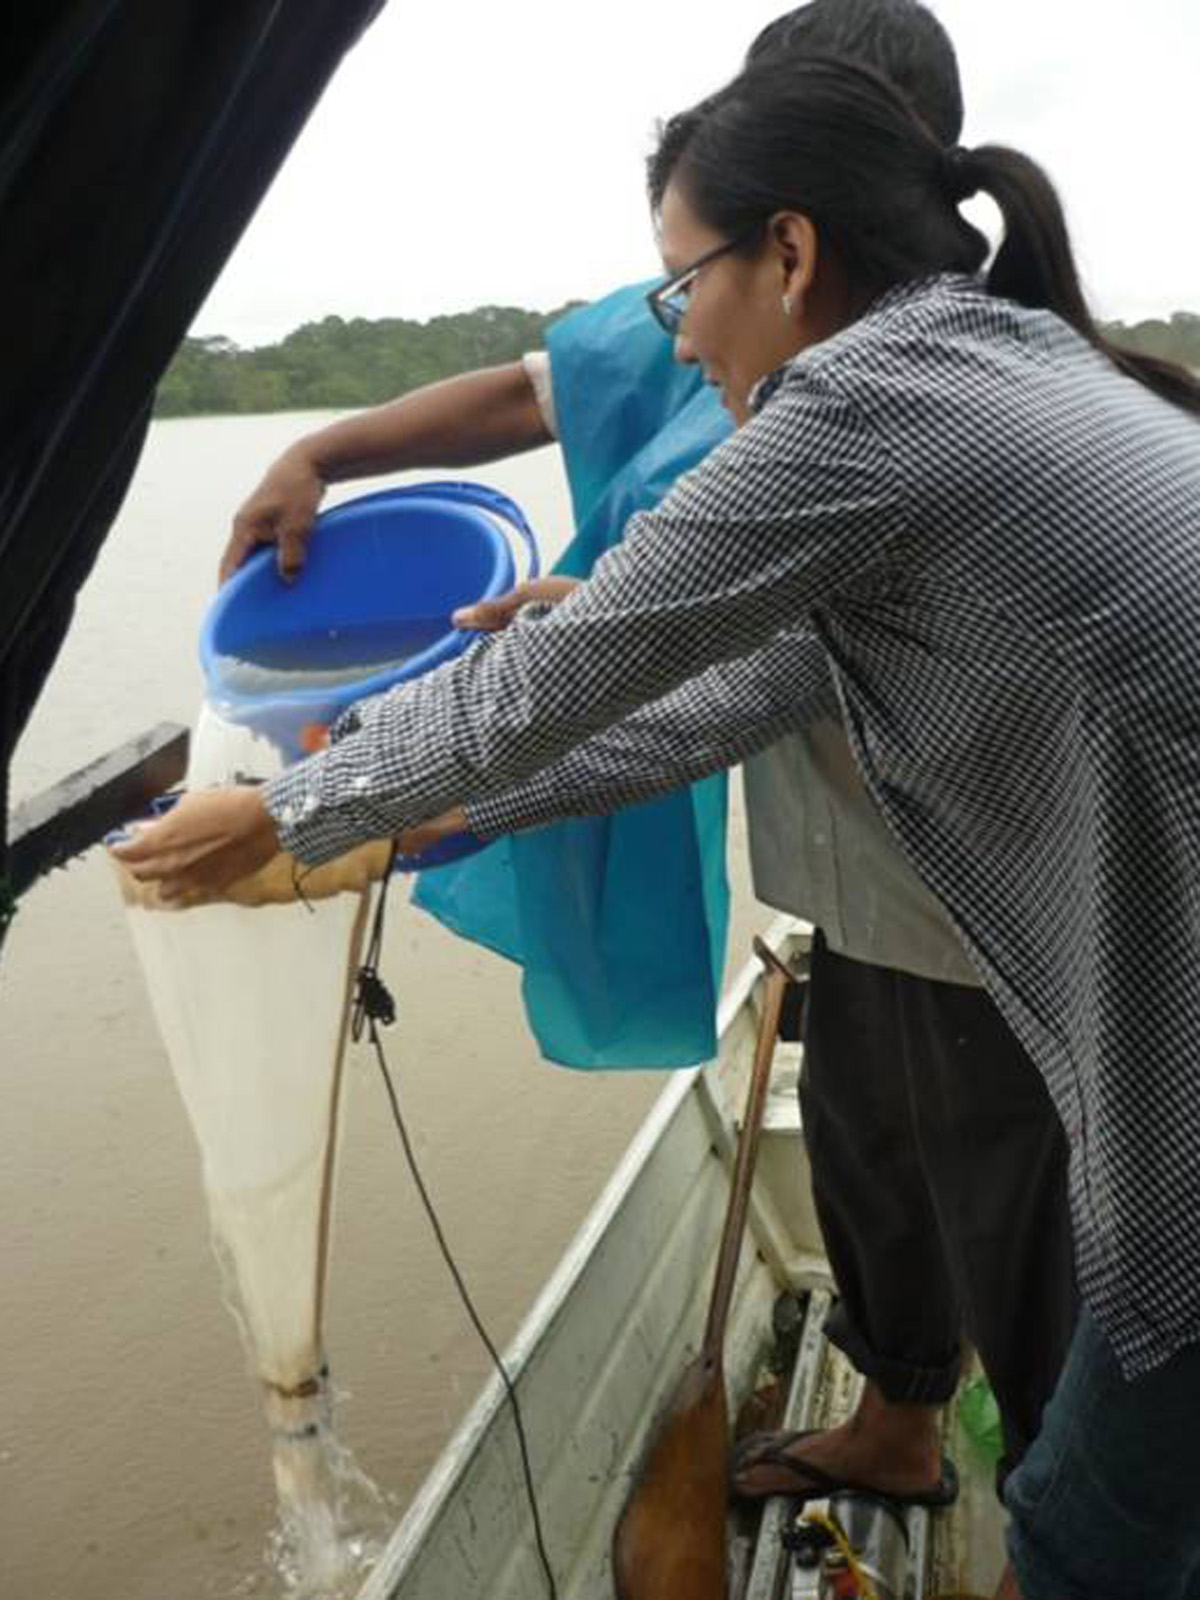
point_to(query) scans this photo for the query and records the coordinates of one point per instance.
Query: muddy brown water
(133, 1459)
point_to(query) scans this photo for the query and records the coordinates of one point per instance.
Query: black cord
(298, 876)
(373, 1005)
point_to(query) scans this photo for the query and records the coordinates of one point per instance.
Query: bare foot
(892, 1448)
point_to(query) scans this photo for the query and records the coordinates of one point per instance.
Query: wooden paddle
(669, 1543)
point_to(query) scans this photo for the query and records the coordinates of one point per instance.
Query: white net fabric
(252, 1000)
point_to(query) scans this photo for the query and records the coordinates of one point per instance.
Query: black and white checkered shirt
(956, 521)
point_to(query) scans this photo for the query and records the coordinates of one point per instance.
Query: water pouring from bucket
(252, 993)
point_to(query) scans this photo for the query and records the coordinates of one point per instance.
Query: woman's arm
(798, 505)
(709, 723)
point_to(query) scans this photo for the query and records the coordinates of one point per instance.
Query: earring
(787, 305)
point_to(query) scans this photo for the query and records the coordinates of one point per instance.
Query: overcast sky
(472, 152)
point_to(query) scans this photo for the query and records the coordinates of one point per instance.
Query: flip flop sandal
(811, 1483)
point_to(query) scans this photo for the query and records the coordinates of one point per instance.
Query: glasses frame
(670, 317)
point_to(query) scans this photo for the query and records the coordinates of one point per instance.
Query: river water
(134, 1463)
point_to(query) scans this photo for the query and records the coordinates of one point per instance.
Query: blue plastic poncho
(619, 922)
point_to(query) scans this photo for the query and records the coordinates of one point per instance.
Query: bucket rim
(480, 515)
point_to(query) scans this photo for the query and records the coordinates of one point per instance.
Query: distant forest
(1176, 340)
(335, 364)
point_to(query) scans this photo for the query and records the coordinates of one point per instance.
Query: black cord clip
(373, 999)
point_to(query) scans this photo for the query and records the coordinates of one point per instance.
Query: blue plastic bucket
(371, 609)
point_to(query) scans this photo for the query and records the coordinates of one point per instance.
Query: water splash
(332, 1519)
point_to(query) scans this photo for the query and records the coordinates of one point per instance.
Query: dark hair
(902, 39)
(835, 140)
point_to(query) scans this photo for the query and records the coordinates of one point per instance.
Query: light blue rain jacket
(619, 922)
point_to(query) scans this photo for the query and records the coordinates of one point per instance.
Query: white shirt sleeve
(537, 370)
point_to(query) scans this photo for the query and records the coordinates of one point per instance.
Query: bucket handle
(477, 494)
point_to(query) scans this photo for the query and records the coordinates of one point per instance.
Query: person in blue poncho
(897, 1126)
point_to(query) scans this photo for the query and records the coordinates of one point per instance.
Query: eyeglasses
(668, 302)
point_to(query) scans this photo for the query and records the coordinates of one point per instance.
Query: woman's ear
(795, 241)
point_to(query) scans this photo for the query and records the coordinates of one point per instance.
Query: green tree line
(334, 363)
(1177, 339)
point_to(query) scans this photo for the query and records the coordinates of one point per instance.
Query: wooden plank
(77, 812)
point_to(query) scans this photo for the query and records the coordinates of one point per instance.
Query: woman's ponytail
(1035, 264)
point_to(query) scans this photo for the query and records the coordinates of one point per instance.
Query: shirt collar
(897, 295)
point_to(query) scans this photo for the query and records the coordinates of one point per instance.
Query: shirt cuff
(292, 800)
(487, 819)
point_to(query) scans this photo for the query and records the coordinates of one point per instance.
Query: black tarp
(136, 139)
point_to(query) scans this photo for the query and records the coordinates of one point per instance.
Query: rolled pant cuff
(899, 1382)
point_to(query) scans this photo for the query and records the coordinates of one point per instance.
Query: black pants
(939, 1172)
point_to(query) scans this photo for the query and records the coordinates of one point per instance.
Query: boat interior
(597, 1357)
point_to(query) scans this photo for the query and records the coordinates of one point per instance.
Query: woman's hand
(281, 512)
(208, 841)
(490, 616)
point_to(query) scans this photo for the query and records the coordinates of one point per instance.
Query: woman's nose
(684, 349)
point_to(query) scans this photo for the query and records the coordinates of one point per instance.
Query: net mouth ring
(304, 1390)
